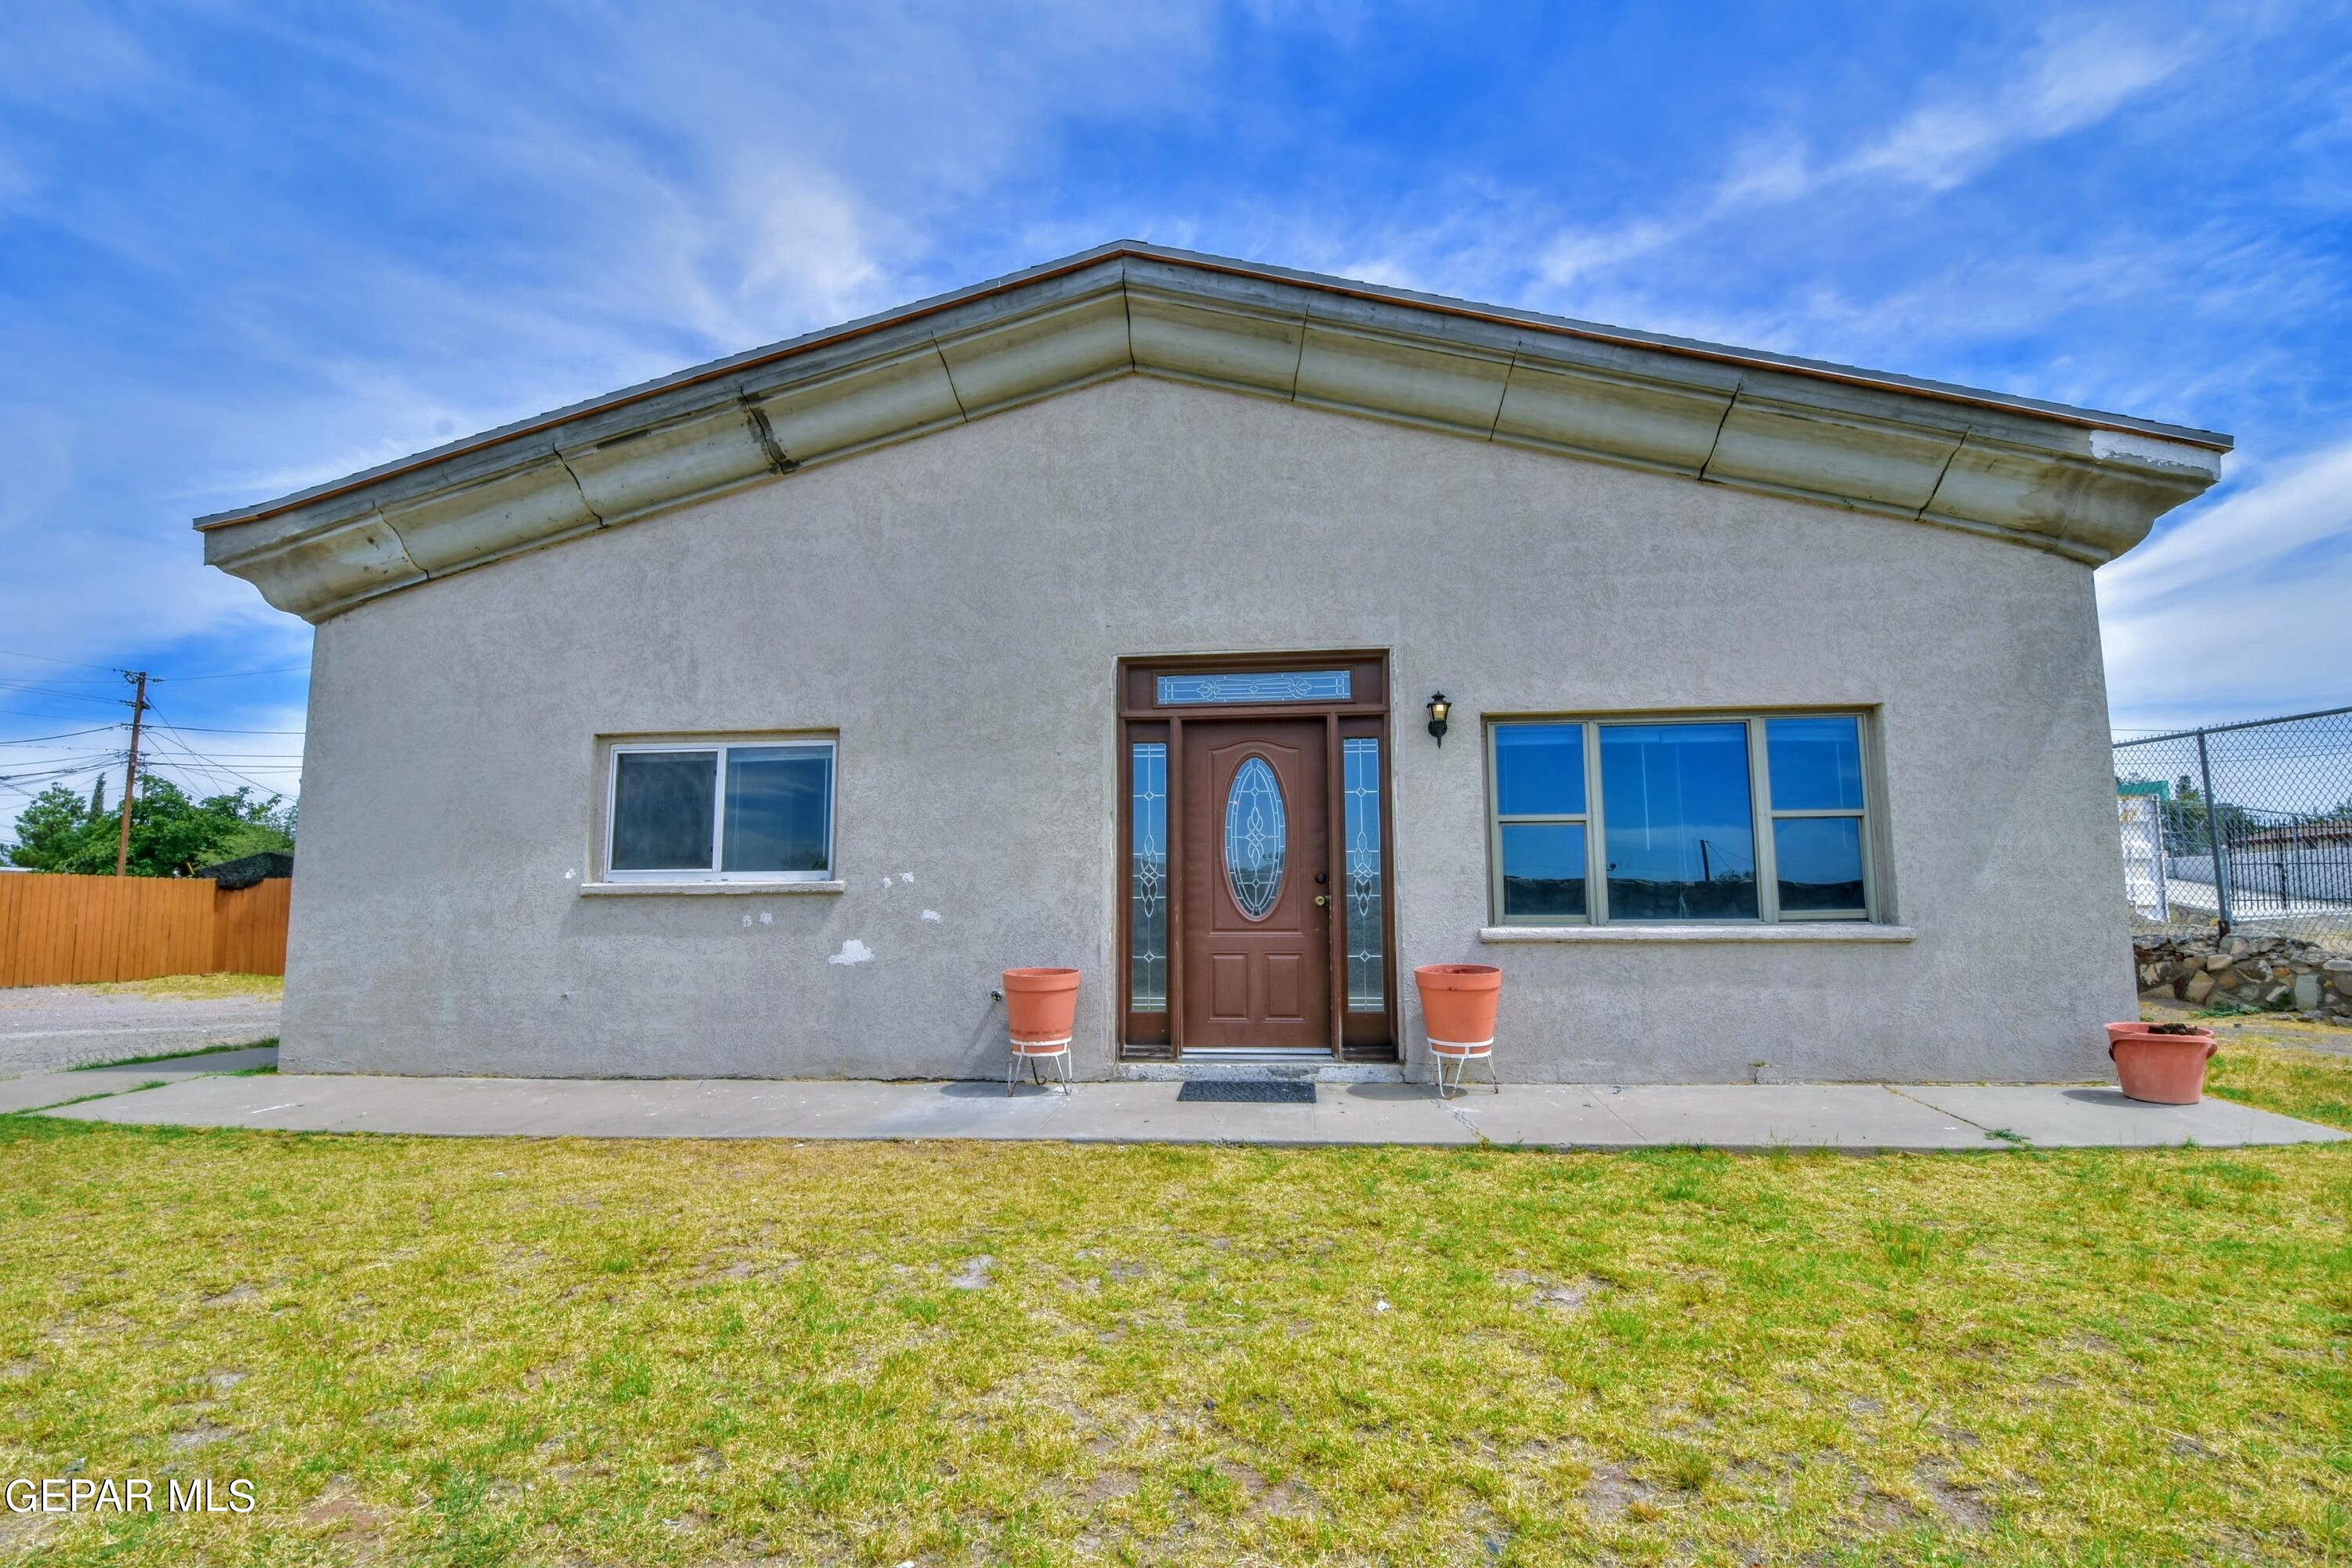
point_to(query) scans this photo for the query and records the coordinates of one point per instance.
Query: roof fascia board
(1695, 348)
(2002, 467)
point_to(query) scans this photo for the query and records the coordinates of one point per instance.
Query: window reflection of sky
(1815, 763)
(776, 804)
(1676, 801)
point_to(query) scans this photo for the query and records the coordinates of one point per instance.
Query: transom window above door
(1256, 686)
(1740, 818)
(732, 811)
(1199, 687)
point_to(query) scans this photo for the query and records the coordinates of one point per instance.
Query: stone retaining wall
(2275, 973)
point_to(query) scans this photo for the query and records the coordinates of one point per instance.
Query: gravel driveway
(44, 1027)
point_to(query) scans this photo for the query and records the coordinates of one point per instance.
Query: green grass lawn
(581, 1353)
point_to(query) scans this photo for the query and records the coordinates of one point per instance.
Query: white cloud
(2239, 608)
(2273, 513)
(2079, 74)
(61, 53)
(2075, 74)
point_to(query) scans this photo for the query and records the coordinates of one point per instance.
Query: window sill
(695, 889)
(1794, 930)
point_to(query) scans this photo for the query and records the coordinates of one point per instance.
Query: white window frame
(1761, 811)
(827, 744)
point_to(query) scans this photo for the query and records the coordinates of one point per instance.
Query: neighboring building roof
(248, 870)
(2307, 834)
(2082, 483)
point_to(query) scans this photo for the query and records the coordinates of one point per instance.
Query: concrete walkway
(39, 1089)
(1861, 1118)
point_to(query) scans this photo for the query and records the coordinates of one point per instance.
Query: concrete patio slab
(1857, 1118)
(1547, 1116)
(36, 1089)
(2098, 1115)
(733, 1107)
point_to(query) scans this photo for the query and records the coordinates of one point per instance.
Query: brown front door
(1258, 933)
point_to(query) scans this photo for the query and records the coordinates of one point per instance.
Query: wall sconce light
(1438, 709)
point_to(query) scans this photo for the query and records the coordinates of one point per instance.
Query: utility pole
(131, 773)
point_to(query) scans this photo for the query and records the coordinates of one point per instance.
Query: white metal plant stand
(1031, 1050)
(1460, 1052)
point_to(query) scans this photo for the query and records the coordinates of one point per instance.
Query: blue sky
(246, 249)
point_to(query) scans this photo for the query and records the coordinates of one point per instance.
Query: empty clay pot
(1458, 1000)
(1040, 1003)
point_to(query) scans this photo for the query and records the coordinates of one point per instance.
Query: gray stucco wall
(953, 607)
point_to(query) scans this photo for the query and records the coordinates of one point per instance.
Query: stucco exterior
(953, 607)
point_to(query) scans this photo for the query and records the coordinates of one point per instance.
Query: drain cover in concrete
(1249, 1092)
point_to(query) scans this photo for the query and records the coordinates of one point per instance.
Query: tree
(171, 835)
(265, 826)
(2187, 830)
(49, 829)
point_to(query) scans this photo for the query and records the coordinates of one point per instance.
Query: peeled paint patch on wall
(932, 915)
(2106, 444)
(851, 952)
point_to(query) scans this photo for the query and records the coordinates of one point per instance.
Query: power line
(241, 674)
(216, 777)
(203, 729)
(38, 775)
(201, 675)
(28, 714)
(65, 735)
(73, 760)
(208, 763)
(49, 659)
(61, 696)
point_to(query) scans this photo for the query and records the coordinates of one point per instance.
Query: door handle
(1322, 900)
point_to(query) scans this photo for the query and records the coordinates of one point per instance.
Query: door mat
(1249, 1092)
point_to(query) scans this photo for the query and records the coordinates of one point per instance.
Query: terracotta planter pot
(1041, 1004)
(1458, 1000)
(2162, 1069)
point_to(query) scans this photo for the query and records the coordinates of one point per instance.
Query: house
(751, 721)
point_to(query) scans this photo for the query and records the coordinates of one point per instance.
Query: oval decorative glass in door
(1257, 837)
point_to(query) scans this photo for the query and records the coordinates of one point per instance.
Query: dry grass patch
(194, 987)
(458, 1351)
(2314, 1085)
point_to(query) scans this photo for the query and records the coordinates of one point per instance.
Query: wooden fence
(63, 931)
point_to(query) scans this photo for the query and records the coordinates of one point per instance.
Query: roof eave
(2085, 483)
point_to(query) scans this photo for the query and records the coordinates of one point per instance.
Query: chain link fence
(2242, 829)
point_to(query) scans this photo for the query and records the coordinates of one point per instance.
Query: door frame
(1140, 718)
